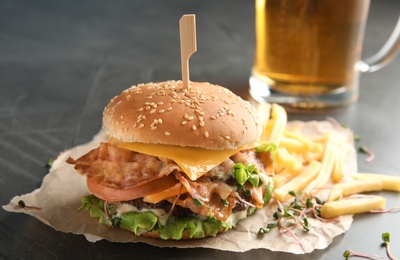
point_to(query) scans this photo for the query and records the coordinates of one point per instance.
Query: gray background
(62, 61)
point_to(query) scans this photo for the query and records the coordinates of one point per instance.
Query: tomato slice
(111, 194)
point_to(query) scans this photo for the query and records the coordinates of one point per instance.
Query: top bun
(205, 115)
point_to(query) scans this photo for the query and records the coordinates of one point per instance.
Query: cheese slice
(171, 192)
(195, 162)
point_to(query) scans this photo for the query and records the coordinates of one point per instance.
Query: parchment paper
(61, 190)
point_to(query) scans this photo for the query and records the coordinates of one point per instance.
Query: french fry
(298, 144)
(283, 177)
(308, 144)
(338, 168)
(298, 182)
(264, 112)
(309, 156)
(276, 125)
(335, 194)
(325, 172)
(288, 161)
(334, 209)
(389, 182)
(292, 145)
(353, 187)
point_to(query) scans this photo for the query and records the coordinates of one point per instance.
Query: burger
(180, 163)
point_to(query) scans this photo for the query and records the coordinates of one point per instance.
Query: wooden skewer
(187, 29)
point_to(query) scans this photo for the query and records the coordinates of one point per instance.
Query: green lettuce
(139, 222)
(95, 206)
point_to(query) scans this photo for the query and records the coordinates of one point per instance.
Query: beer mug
(307, 52)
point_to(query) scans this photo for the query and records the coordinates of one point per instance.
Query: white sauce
(235, 217)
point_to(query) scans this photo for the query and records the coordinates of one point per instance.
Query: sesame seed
(152, 111)
(201, 123)
(213, 117)
(160, 121)
(184, 122)
(141, 125)
(167, 133)
(170, 108)
(190, 118)
(144, 117)
(161, 111)
(186, 116)
(206, 134)
(140, 109)
(153, 128)
(194, 127)
(227, 137)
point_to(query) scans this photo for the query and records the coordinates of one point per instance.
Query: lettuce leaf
(139, 222)
(95, 206)
(176, 226)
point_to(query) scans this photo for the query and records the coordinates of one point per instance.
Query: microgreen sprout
(22, 205)
(386, 242)
(49, 163)
(269, 190)
(296, 214)
(198, 202)
(394, 209)
(348, 253)
(364, 149)
(271, 147)
(243, 173)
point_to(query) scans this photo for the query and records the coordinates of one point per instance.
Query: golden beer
(309, 47)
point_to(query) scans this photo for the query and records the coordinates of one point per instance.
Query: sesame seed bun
(205, 116)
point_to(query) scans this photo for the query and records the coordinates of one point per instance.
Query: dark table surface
(62, 61)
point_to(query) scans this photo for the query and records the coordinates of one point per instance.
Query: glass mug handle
(384, 55)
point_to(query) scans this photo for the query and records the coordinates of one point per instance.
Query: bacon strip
(121, 169)
(203, 188)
